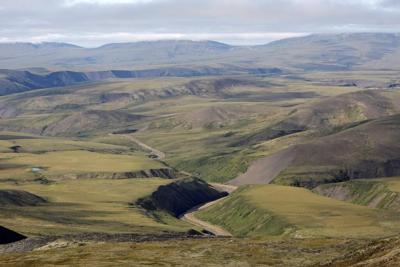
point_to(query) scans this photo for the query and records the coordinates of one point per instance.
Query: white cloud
(35, 39)
(92, 22)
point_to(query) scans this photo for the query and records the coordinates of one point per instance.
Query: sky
(92, 23)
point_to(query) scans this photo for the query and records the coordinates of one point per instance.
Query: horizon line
(300, 35)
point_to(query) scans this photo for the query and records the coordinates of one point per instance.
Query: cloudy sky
(95, 22)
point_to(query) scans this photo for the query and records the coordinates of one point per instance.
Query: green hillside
(90, 205)
(296, 212)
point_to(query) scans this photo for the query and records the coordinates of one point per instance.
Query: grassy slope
(204, 252)
(367, 150)
(31, 143)
(382, 252)
(204, 149)
(93, 205)
(62, 162)
(101, 205)
(196, 132)
(337, 138)
(59, 157)
(276, 210)
(38, 145)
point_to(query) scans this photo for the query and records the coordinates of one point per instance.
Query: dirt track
(159, 154)
(190, 217)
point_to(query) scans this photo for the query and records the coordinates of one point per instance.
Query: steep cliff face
(9, 236)
(180, 196)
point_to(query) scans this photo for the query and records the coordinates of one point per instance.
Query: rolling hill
(117, 55)
(319, 52)
(345, 51)
(366, 150)
(68, 64)
(15, 81)
(279, 211)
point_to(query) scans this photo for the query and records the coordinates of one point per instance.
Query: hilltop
(318, 52)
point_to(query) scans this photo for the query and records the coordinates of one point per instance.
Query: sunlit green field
(54, 158)
(297, 212)
(88, 205)
(48, 167)
(62, 162)
(36, 144)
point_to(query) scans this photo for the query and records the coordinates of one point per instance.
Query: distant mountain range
(330, 52)
(61, 56)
